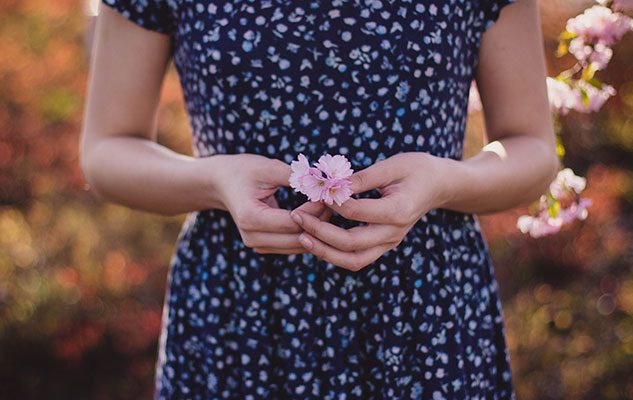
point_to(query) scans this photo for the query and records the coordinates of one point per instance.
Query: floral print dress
(367, 79)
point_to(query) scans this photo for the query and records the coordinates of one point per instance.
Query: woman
(392, 293)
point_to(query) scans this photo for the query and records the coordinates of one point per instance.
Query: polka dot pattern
(363, 78)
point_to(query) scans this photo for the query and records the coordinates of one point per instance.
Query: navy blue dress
(363, 78)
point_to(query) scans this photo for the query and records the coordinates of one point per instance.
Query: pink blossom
(596, 97)
(566, 182)
(313, 184)
(327, 181)
(549, 218)
(561, 96)
(564, 97)
(544, 224)
(299, 168)
(337, 190)
(537, 226)
(334, 166)
(577, 210)
(598, 55)
(599, 24)
(580, 49)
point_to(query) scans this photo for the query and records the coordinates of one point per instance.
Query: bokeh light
(82, 282)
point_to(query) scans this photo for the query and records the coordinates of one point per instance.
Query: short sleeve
(490, 10)
(154, 15)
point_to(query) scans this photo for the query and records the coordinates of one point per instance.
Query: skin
(123, 163)
(514, 168)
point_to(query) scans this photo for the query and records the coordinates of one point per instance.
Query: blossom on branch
(559, 206)
(600, 24)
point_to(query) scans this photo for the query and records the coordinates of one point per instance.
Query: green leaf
(585, 96)
(595, 83)
(587, 73)
(565, 76)
(553, 209)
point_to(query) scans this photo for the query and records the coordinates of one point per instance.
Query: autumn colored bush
(82, 282)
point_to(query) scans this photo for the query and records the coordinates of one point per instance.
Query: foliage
(82, 282)
(589, 37)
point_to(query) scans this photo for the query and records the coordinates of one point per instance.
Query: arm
(119, 156)
(514, 168)
(123, 163)
(519, 163)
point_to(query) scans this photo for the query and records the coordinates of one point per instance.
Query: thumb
(375, 176)
(312, 207)
(271, 201)
(276, 173)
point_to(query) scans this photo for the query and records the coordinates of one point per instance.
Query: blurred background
(82, 282)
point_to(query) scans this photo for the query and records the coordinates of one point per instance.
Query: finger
(275, 173)
(271, 201)
(383, 210)
(316, 208)
(375, 176)
(268, 239)
(261, 217)
(272, 250)
(312, 207)
(357, 238)
(326, 215)
(352, 261)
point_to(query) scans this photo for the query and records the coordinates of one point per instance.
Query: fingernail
(296, 217)
(307, 243)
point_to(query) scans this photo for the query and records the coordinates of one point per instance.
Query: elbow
(88, 165)
(550, 168)
(553, 163)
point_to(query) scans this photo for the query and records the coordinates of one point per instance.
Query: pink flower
(576, 211)
(599, 24)
(565, 182)
(537, 226)
(313, 185)
(328, 181)
(551, 214)
(334, 166)
(598, 55)
(544, 224)
(338, 190)
(564, 97)
(595, 97)
(561, 96)
(299, 168)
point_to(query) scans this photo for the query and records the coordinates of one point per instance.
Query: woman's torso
(367, 79)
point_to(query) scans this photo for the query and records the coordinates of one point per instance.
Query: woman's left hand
(410, 185)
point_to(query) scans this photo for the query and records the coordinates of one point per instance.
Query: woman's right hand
(245, 185)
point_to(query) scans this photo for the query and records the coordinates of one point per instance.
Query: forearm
(507, 173)
(142, 174)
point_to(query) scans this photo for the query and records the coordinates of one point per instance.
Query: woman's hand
(410, 184)
(245, 185)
